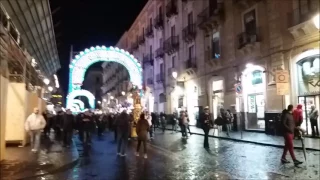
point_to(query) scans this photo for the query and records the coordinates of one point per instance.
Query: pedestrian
(149, 119)
(206, 124)
(313, 115)
(224, 115)
(231, 119)
(68, 126)
(182, 122)
(101, 125)
(174, 122)
(142, 131)
(289, 127)
(58, 121)
(154, 121)
(187, 123)
(87, 126)
(163, 121)
(112, 119)
(298, 119)
(33, 125)
(122, 124)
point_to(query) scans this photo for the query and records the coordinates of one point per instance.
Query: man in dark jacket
(58, 125)
(68, 126)
(86, 126)
(122, 124)
(206, 124)
(289, 127)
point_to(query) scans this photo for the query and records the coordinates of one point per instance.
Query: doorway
(307, 102)
(256, 110)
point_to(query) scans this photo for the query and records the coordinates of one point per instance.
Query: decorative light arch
(78, 102)
(80, 92)
(86, 58)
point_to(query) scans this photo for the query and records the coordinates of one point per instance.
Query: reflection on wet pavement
(171, 158)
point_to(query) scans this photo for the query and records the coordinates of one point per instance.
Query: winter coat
(68, 122)
(205, 120)
(297, 115)
(35, 122)
(86, 123)
(142, 129)
(122, 123)
(288, 123)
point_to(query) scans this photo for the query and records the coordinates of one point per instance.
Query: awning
(33, 20)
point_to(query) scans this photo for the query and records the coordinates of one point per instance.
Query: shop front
(253, 97)
(306, 80)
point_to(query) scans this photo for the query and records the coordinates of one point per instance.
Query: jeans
(188, 128)
(206, 136)
(35, 136)
(151, 131)
(144, 146)
(183, 130)
(115, 134)
(288, 146)
(86, 136)
(122, 141)
(67, 136)
(314, 127)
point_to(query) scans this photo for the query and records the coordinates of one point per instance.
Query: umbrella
(303, 146)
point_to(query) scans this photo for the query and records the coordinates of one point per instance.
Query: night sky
(86, 23)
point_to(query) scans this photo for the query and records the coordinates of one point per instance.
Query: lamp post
(50, 88)
(46, 81)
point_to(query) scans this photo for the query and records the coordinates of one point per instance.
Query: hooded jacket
(287, 121)
(297, 114)
(35, 122)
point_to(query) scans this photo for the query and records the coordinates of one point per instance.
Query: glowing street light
(46, 81)
(123, 93)
(104, 100)
(174, 74)
(111, 97)
(99, 102)
(50, 88)
(316, 21)
(249, 65)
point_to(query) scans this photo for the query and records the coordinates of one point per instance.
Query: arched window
(162, 98)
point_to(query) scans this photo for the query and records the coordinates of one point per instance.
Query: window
(173, 61)
(250, 24)
(190, 18)
(161, 69)
(191, 52)
(160, 42)
(215, 46)
(173, 30)
(213, 5)
(162, 98)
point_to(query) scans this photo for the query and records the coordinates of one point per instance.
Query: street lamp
(104, 100)
(111, 97)
(123, 93)
(316, 21)
(50, 88)
(174, 74)
(99, 102)
(46, 81)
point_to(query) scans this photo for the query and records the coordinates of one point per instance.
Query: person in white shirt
(33, 125)
(149, 119)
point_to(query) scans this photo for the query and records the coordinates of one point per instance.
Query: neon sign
(86, 58)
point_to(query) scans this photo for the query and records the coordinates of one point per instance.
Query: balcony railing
(189, 33)
(302, 14)
(160, 77)
(158, 21)
(171, 8)
(210, 16)
(160, 52)
(150, 81)
(148, 59)
(171, 45)
(246, 38)
(149, 31)
(191, 63)
(142, 39)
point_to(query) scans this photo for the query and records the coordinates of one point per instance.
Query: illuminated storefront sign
(86, 58)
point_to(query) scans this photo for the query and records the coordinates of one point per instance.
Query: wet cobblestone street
(170, 157)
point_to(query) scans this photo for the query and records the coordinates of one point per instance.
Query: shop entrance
(256, 111)
(307, 102)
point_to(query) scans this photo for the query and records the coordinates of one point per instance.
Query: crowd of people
(65, 123)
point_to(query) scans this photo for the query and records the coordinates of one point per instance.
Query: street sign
(238, 88)
(283, 89)
(282, 76)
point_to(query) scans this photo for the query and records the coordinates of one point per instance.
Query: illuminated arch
(80, 92)
(86, 58)
(78, 102)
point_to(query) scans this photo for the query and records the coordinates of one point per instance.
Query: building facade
(197, 52)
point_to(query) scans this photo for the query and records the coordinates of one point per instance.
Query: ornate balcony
(210, 18)
(148, 59)
(160, 77)
(191, 66)
(171, 45)
(149, 31)
(248, 41)
(189, 33)
(160, 52)
(300, 20)
(172, 8)
(159, 21)
(142, 39)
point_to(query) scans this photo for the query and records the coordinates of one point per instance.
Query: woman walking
(142, 131)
